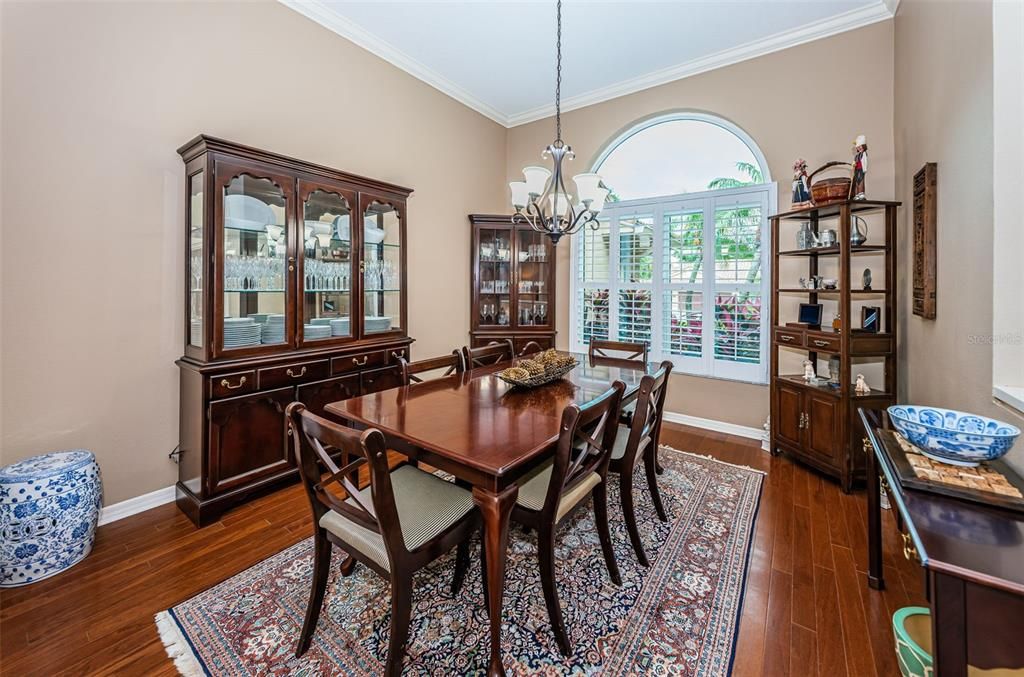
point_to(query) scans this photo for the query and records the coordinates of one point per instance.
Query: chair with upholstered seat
(412, 371)
(404, 520)
(492, 353)
(639, 442)
(551, 492)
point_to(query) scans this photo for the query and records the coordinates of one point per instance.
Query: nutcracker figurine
(801, 189)
(860, 168)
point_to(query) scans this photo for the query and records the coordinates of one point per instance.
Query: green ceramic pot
(912, 631)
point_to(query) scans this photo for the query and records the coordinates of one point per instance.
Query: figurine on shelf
(860, 168)
(861, 386)
(866, 279)
(801, 187)
(809, 374)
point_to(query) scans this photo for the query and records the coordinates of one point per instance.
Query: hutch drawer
(815, 340)
(789, 337)
(396, 354)
(347, 363)
(229, 385)
(299, 372)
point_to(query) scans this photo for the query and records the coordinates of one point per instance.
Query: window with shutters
(686, 273)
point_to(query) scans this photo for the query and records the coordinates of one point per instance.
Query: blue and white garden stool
(49, 505)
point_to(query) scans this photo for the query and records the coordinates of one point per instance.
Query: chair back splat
(618, 350)
(492, 353)
(411, 371)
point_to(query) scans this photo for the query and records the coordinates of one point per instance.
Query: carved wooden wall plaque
(924, 241)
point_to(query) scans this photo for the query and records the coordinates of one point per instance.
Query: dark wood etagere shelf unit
(512, 284)
(295, 289)
(817, 423)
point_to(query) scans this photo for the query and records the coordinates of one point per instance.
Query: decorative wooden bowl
(827, 191)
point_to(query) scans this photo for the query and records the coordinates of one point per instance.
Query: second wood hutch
(513, 283)
(295, 290)
(817, 423)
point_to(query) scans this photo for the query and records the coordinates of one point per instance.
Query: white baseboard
(133, 506)
(717, 426)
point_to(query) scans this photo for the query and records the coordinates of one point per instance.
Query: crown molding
(840, 23)
(323, 15)
(319, 12)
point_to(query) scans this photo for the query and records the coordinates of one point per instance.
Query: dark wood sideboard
(295, 290)
(972, 557)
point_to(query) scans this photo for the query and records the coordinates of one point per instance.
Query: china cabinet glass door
(256, 263)
(533, 279)
(327, 254)
(495, 284)
(196, 260)
(383, 277)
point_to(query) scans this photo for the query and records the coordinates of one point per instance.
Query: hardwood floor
(807, 609)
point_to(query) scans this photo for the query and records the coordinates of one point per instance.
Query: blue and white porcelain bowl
(951, 436)
(49, 506)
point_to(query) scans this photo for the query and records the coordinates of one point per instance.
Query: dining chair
(619, 350)
(550, 493)
(452, 364)
(639, 442)
(492, 353)
(405, 519)
(530, 348)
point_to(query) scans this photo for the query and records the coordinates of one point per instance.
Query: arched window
(680, 259)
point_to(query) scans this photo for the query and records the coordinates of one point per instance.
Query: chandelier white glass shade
(542, 199)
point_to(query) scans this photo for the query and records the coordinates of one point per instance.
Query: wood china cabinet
(513, 283)
(295, 290)
(817, 423)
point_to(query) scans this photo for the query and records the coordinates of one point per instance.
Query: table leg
(875, 576)
(496, 509)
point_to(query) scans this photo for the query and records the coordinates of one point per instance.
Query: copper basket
(827, 191)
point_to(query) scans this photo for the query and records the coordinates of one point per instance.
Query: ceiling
(499, 57)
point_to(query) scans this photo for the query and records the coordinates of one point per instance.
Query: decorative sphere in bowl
(951, 436)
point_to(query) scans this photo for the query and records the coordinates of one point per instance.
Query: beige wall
(96, 98)
(943, 114)
(809, 101)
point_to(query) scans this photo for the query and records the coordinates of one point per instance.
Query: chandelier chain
(558, 77)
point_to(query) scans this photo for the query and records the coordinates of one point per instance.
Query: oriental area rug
(677, 617)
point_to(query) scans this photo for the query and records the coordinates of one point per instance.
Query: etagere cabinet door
(254, 261)
(789, 405)
(823, 412)
(247, 439)
(327, 274)
(198, 253)
(534, 257)
(382, 263)
(493, 277)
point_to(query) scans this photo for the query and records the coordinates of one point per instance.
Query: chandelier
(542, 200)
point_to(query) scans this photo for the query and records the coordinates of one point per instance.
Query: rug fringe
(177, 647)
(712, 458)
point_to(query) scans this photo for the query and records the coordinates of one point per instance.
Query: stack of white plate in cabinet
(316, 331)
(339, 327)
(273, 329)
(240, 332)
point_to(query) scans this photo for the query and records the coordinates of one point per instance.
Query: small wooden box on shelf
(513, 283)
(814, 422)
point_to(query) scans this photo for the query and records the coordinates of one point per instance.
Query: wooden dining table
(488, 435)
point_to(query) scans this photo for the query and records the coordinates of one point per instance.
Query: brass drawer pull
(787, 339)
(398, 354)
(821, 344)
(909, 551)
(227, 384)
(355, 361)
(294, 375)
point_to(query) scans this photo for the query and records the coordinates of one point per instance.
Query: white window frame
(764, 195)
